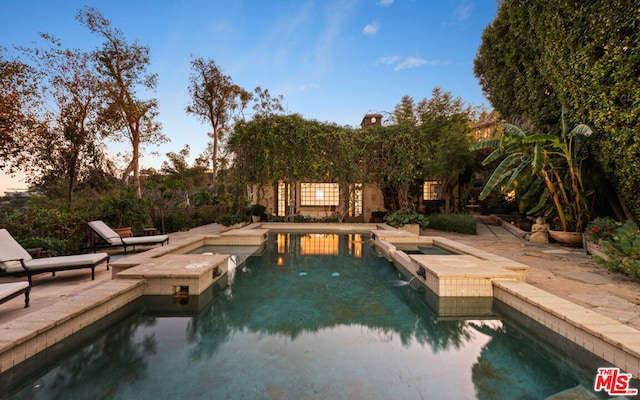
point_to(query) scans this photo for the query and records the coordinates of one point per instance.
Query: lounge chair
(113, 239)
(14, 289)
(16, 261)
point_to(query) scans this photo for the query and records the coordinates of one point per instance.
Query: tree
(273, 148)
(506, 67)
(445, 127)
(428, 139)
(404, 112)
(123, 68)
(265, 104)
(555, 159)
(537, 57)
(215, 99)
(175, 182)
(68, 149)
(19, 105)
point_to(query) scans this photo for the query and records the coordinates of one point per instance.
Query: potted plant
(407, 219)
(546, 163)
(256, 212)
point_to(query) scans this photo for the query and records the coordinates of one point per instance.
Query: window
(319, 194)
(355, 202)
(283, 195)
(431, 190)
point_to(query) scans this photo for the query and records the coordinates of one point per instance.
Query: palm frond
(485, 144)
(580, 129)
(510, 130)
(538, 159)
(516, 173)
(540, 138)
(500, 174)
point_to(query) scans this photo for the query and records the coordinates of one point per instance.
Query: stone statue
(539, 232)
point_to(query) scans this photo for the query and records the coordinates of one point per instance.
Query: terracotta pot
(572, 238)
(123, 232)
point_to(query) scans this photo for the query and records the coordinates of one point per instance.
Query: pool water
(314, 317)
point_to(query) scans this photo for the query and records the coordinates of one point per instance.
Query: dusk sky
(332, 60)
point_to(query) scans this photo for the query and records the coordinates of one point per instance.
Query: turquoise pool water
(313, 317)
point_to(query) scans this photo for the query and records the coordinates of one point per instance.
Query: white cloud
(463, 12)
(337, 13)
(309, 86)
(407, 62)
(371, 29)
(389, 60)
(385, 3)
(410, 62)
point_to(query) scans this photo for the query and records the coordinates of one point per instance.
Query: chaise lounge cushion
(51, 264)
(11, 288)
(16, 261)
(113, 239)
(14, 289)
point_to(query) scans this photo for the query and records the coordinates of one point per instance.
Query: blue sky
(332, 60)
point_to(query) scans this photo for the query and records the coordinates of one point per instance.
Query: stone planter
(570, 238)
(594, 249)
(413, 228)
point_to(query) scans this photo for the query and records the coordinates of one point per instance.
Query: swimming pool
(316, 316)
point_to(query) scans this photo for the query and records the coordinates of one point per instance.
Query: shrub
(460, 223)
(40, 221)
(622, 250)
(406, 216)
(257, 210)
(53, 247)
(231, 219)
(602, 228)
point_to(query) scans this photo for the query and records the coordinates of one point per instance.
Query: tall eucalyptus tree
(123, 70)
(215, 100)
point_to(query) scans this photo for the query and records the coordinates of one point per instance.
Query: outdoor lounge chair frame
(18, 261)
(112, 239)
(12, 290)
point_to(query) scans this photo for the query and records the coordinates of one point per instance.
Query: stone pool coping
(611, 340)
(605, 337)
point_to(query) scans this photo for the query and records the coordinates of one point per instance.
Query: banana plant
(555, 159)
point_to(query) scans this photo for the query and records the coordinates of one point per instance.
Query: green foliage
(583, 56)
(459, 222)
(232, 219)
(497, 203)
(505, 65)
(53, 247)
(257, 210)
(554, 159)
(66, 228)
(601, 228)
(406, 216)
(428, 139)
(125, 209)
(623, 250)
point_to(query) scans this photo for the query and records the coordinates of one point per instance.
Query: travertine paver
(563, 271)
